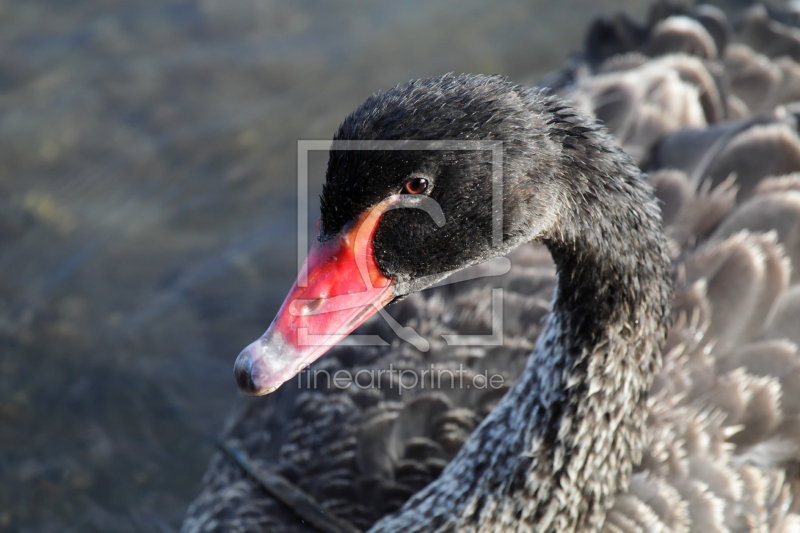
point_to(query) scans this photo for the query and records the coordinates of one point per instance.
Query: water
(148, 214)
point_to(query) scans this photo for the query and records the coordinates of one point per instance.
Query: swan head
(422, 180)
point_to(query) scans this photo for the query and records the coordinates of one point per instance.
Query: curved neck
(562, 442)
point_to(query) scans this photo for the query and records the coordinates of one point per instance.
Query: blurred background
(148, 157)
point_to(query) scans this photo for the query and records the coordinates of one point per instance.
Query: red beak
(344, 288)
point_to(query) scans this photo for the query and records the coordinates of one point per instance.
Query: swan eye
(416, 186)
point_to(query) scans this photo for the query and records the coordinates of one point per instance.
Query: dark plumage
(574, 190)
(595, 433)
(567, 185)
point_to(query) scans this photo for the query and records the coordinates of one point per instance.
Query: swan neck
(564, 439)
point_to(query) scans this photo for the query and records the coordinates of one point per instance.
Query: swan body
(651, 377)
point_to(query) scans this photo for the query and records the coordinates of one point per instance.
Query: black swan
(595, 433)
(562, 441)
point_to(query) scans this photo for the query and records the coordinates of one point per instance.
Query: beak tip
(260, 370)
(243, 370)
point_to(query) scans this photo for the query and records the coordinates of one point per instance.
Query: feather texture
(721, 444)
